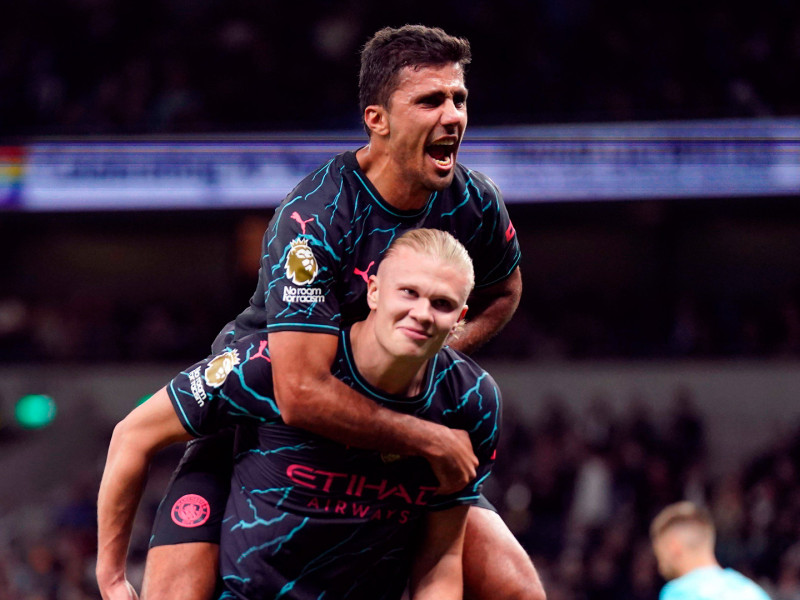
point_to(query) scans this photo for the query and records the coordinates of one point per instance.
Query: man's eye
(432, 100)
(442, 305)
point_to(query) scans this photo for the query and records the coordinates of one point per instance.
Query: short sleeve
(301, 267)
(229, 388)
(498, 252)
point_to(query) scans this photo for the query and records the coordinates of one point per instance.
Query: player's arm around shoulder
(312, 398)
(437, 572)
(148, 428)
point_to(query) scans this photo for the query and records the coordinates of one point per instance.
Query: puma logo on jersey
(296, 216)
(262, 346)
(365, 273)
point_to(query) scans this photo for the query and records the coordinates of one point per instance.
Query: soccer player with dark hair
(308, 517)
(683, 538)
(320, 248)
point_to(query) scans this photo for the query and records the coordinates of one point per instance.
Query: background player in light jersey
(308, 517)
(683, 538)
(322, 244)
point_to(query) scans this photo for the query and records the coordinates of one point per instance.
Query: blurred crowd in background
(579, 490)
(70, 67)
(93, 329)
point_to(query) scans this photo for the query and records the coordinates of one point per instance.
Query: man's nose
(450, 113)
(421, 311)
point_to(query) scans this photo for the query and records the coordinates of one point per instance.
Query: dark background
(697, 281)
(159, 66)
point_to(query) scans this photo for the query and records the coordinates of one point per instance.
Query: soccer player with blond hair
(683, 537)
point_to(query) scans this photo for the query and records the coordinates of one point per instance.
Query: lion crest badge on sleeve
(219, 367)
(301, 266)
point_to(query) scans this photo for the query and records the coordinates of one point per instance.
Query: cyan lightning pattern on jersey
(308, 518)
(329, 234)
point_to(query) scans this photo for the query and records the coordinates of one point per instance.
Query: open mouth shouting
(443, 153)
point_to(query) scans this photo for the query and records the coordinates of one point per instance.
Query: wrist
(427, 440)
(108, 575)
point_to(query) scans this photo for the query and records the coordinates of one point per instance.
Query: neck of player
(399, 191)
(396, 375)
(697, 560)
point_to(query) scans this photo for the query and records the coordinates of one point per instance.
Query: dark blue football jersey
(332, 230)
(307, 517)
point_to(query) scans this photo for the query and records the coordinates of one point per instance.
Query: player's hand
(120, 590)
(452, 459)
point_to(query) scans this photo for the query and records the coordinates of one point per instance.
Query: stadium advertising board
(530, 164)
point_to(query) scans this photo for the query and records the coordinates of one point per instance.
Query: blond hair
(436, 244)
(684, 515)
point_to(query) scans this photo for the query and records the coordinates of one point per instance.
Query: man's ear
(372, 292)
(376, 119)
(458, 326)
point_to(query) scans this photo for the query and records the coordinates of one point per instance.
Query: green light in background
(144, 399)
(35, 411)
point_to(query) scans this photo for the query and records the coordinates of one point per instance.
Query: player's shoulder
(325, 177)
(710, 583)
(463, 371)
(677, 589)
(466, 178)
(317, 204)
(748, 589)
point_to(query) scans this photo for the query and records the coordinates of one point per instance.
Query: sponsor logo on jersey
(303, 295)
(190, 510)
(359, 486)
(301, 266)
(197, 387)
(219, 368)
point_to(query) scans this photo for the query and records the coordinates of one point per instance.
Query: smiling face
(423, 124)
(418, 300)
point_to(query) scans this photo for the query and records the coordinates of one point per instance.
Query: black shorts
(483, 502)
(194, 505)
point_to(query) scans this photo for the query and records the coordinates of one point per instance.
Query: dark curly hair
(392, 49)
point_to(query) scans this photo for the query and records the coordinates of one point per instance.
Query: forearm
(443, 582)
(437, 572)
(311, 398)
(147, 429)
(121, 489)
(489, 311)
(328, 407)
